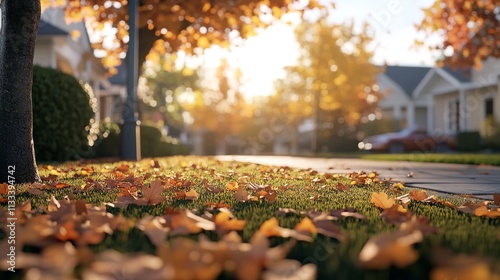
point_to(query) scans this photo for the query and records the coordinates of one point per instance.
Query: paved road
(480, 181)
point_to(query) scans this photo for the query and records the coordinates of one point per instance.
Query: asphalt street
(476, 180)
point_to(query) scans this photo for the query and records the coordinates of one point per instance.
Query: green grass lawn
(50, 224)
(487, 159)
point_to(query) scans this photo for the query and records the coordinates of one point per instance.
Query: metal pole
(131, 145)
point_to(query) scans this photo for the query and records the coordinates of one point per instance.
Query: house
(56, 48)
(442, 100)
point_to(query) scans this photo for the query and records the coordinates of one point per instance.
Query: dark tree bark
(17, 44)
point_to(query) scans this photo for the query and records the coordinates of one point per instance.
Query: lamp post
(131, 145)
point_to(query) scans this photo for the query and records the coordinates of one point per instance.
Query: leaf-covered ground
(197, 218)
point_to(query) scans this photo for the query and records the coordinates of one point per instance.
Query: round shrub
(63, 112)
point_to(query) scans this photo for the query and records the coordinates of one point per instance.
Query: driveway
(477, 180)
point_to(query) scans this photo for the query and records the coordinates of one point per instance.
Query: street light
(131, 144)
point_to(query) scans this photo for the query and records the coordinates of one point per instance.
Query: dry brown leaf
(192, 195)
(242, 195)
(306, 226)
(381, 200)
(328, 228)
(271, 228)
(396, 214)
(390, 248)
(151, 195)
(154, 229)
(496, 199)
(342, 187)
(418, 195)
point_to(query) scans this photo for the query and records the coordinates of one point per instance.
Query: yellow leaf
(381, 200)
(233, 186)
(306, 225)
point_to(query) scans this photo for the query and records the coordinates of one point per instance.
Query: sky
(263, 57)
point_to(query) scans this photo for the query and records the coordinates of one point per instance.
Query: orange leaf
(418, 195)
(381, 200)
(4, 188)
(233, 186)
(224, 223)
(390, 248)
(306, 225)
(60, 185)
(483, 211)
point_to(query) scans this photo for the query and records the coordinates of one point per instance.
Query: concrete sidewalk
(477, 180)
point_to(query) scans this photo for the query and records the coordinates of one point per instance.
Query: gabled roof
(462, 75)
(407, 77)
(47, 29)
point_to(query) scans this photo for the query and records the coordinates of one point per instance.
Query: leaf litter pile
(198, 218)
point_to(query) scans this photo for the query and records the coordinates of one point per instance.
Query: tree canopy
(172, 25)
(334, 73)
(471, 28)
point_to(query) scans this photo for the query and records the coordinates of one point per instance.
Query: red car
(408, 139)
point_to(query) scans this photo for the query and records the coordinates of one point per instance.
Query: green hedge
(63, 112)
(153, 143)
(469, 141)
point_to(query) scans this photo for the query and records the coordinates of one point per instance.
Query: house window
(488, 107)
(453, 124)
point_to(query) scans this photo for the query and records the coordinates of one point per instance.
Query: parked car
(408, 139)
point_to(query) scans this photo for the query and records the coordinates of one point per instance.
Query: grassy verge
(487, 159)
(301, 190)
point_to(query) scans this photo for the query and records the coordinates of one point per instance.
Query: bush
(153, 143)
(63, 111)
(490, 131)
(108, 143)
(469, 141)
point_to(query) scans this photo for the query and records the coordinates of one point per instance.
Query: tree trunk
(17, 44)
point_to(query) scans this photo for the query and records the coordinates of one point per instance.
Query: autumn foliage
(167, 26)
(470, 27)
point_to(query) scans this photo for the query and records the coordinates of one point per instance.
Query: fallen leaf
(154, 229)
(306, 226)
(4, 188)
(290, 269)
(396, 214)
(241, 194)
(342, 187)
(484, 211)
(460, 266)
(192, 195)
(496, 199)
(271, 228)
(418, 195)
(224, 223)
(233, 186)
(151, 195)
(390, 248)
(381, 200)
(328, 228)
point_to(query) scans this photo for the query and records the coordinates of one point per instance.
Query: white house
(442, 100)
(56, 48)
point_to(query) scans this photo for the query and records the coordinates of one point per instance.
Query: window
(488, 107)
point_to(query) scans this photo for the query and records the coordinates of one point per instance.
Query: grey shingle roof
(47, 29)
(407, 77)
(462, 75)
